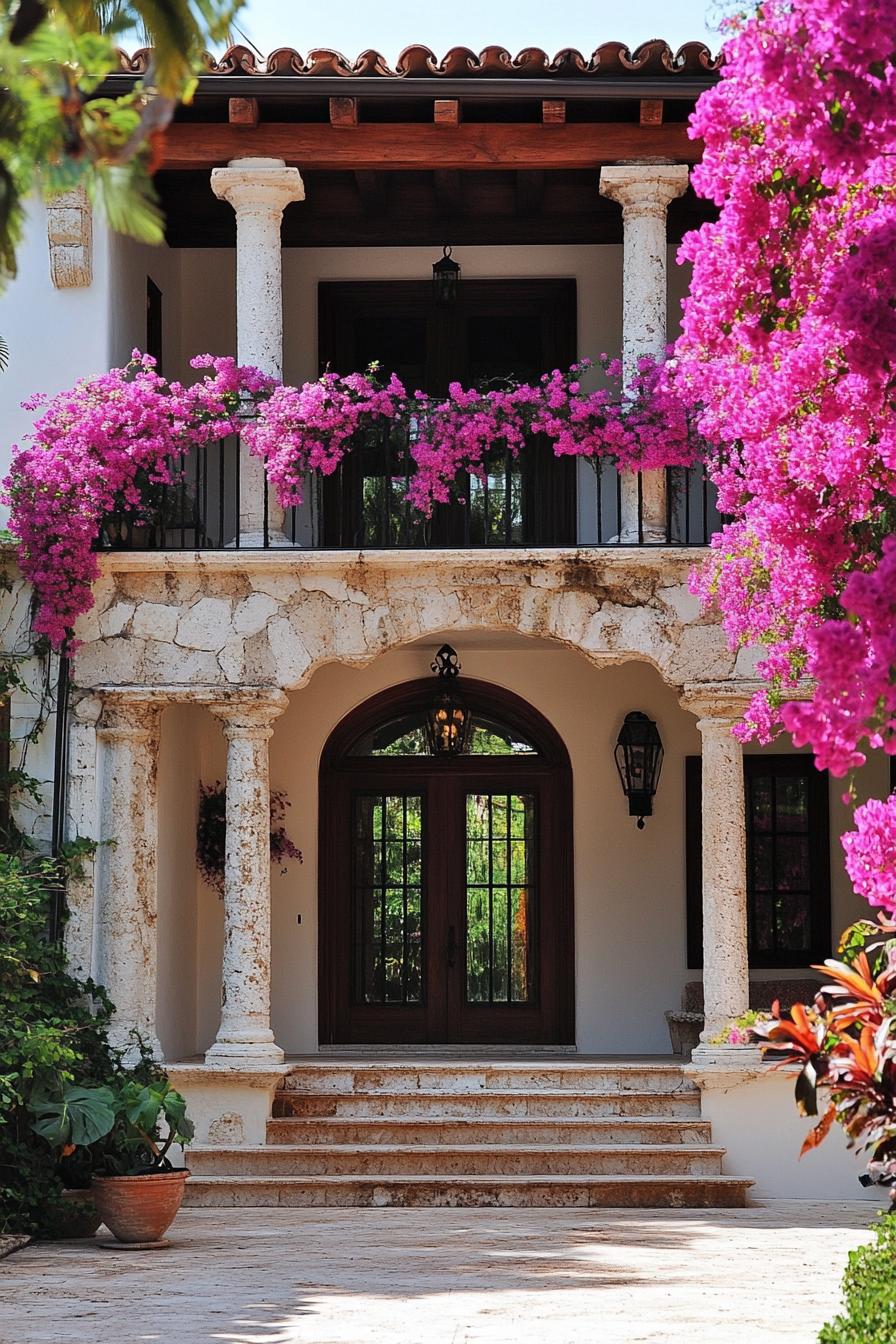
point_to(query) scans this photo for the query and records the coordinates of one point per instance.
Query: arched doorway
(446, 909)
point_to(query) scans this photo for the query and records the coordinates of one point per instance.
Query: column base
(247, 1052)
(256, 541)
(734, 1057)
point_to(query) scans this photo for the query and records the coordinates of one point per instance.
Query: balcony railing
(536, 499)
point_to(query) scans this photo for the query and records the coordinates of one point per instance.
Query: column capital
(124, 717)
(252, 184)
(717, 703)
(249, 715)
(644, 189)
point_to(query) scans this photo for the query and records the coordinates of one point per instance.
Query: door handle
(452, 945)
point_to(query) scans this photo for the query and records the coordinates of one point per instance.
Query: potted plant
(122, 1132)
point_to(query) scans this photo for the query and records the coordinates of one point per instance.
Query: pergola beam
(403, 147)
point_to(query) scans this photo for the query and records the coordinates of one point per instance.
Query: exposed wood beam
(414, 147)
(343, 111)
(530, 191)
(242, 111)
(446, 112)
(372, 190)
(449, 196)
(651, 111)
(553, 112)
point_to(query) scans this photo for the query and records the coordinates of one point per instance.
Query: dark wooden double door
(495, 330)
(446, 912)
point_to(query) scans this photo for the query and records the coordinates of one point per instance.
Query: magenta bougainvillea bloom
(311, 428)
(787, 352)
(90, 451)
(96, 448)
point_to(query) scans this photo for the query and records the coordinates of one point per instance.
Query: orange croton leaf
(858, 978)
(819, 1133)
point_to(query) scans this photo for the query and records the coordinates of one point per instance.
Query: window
(788, 861)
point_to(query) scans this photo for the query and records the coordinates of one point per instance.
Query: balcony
(534, 500)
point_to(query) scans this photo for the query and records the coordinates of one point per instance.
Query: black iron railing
(535, 499)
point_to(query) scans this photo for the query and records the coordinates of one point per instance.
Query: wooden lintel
(651, 111)
(413, 147)
(343, 111)
(372, 190)
(242, 111)
(446, 112)
(553, 112)
(529, 191)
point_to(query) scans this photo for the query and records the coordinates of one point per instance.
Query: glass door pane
(500, 897)
(387, 898)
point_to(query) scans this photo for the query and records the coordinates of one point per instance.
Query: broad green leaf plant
(57, 131)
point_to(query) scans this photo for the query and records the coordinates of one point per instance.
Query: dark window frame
(819, 912)
(154, 319)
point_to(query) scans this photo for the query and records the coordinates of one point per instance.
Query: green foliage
(52, 1037)
(869, 1292)
(56, 132)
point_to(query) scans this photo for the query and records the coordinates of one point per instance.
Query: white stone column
(259, 190)
(126, 882)
(245, 1034)
(644, 191)
(726, 981)
(82, 816)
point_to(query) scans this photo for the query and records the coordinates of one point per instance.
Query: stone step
(495, 1104)
(445, 1161)
(456, 1076)
(552, 1192)
(478, 1130)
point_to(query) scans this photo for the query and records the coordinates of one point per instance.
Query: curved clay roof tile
(419, 62)
(285, 61)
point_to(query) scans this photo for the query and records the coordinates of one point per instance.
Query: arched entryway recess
(446, 899)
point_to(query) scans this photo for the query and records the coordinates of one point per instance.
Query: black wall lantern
(448, 720)
(639, 759)
(445, 277)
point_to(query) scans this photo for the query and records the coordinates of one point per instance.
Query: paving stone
(446, 1276)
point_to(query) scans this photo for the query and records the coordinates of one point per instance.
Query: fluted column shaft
(245, 1032)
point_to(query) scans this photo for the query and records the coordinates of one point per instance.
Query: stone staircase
(493, 1133)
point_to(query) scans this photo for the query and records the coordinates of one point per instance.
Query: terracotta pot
(84, 1218)
(139, 1208)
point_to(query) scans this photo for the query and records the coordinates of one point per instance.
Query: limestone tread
(511, 1191)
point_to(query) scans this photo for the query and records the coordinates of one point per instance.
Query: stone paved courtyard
(445, 1276)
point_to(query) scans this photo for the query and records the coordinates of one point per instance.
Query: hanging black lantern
(445, 277)
(448, 720)
(639, 759)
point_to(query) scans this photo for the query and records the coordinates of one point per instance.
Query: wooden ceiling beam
(344, 112)
(409, 147)
(372, 190)
(651, 112)
(530, 191)
(553, 112)
(242, 111)
(446, 112)
(449, 197)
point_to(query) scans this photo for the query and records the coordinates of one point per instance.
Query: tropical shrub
(845, 1045)
(211, 833)
(869, 1292)
(91, 451)
(52, 1034)
(114, 1128)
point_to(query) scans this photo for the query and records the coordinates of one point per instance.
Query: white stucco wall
(629, 885)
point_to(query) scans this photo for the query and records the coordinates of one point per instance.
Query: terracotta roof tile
(418, 62)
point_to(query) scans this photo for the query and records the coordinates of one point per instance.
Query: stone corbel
(70, 239)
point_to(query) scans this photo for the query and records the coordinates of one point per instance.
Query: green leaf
(81, 1116)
